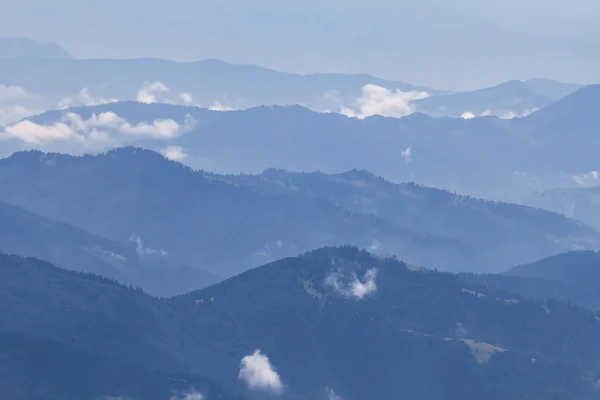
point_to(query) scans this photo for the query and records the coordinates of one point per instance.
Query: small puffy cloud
(11, 93)
(175, 153)
(149, 90)
(258, 373)
(186, 99)
(354, 287)
(217, 106)
(587, 178)
(375, 245)
(331, 394)
(190, 395)
(467, 115)
(406, 154)
(84, 98)
(157, 92)
(377, 100)
(144, 251)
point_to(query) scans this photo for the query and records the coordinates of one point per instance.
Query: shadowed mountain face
(486, 157)
(28, 234)
(227, 224)
(39, 369)
(329, 320)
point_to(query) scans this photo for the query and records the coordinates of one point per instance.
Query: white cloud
(32, 133)
(258, 373)
(84, 98)
(175, 153)
(217, 106)
(11, 93)
(586, 178)
(16, 103)
(13, 113)
(97, 132)
(157, 92)
(406, 154)
(468, 115)
(191, 395)
(331, 394)
(186, 99)
(375, 245)
(144, 251)
(355, 287)
(149, 90)
(377, 100)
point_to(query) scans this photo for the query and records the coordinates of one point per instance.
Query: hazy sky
(455, 44)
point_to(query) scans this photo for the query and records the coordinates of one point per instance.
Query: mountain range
(466, 156)
(225, 224)
(336, 321)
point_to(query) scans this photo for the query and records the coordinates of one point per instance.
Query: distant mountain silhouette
(13, 47)
(551, 88)
(227, 224)
(39, 369)
(509, 99)
(28, 234)
(209, 82)
(334, 318)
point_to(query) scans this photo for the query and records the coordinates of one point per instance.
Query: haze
(448, 45)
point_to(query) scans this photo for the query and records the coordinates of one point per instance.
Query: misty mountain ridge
(506, 100)
(226, 224)
(579, 203)
(419, 332)
(439, 152)
(131, 263)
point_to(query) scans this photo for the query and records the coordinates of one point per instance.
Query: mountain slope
(578, 268)
(509, 99)
(498, 230)
(38, 369)
(12, 47)
(28, 234)
(200, 220)
(334, 318)
(551, 88)
(571, 277)
(578, 203)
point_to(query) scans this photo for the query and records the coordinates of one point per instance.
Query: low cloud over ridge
(98, 132)
(354, 287)
(377, 100)
(258, 373)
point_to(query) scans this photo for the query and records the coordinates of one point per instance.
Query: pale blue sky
(456, 44)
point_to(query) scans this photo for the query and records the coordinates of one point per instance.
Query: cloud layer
(98, 132)
(258, 373)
